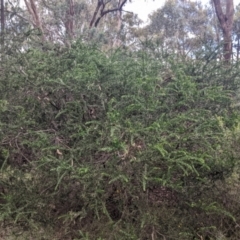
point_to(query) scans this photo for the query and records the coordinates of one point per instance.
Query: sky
(145, 7)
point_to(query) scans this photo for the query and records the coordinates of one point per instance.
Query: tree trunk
(69, 19)
(32, 8)
(2, 21)
(226, 23)
(238, 46)
(117, 40)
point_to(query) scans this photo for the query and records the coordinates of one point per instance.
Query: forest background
(114, 129)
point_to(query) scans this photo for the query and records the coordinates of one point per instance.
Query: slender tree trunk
(216, 29)
(2, 21)
(238, 46)
(117, 40)
(226, 23)
(32, 8)
(99, 4)
(227, 47)
(69, 19)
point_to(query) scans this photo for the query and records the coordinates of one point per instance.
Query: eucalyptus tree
(174, 24)
(236, 33)
(226, 22)
(15, 26)
(64, 20)
(2, 16)
(184, 27)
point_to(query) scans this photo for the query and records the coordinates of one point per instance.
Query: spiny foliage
(120, 145)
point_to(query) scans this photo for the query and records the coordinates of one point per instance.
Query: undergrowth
(119, 145)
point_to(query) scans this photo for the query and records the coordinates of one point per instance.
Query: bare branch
(103, 13)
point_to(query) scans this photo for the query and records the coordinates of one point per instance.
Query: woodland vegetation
(110, 129)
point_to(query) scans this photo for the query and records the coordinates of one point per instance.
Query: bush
(120, 145)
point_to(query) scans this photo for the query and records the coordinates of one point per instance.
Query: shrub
(119, 145)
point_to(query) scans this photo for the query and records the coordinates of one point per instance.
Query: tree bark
(99, 4)
(2, 21)
(226, 23)
(238, 46)
(117, 41)
(69, 19)
(32, 8)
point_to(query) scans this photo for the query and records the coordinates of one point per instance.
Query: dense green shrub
(118, 145)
